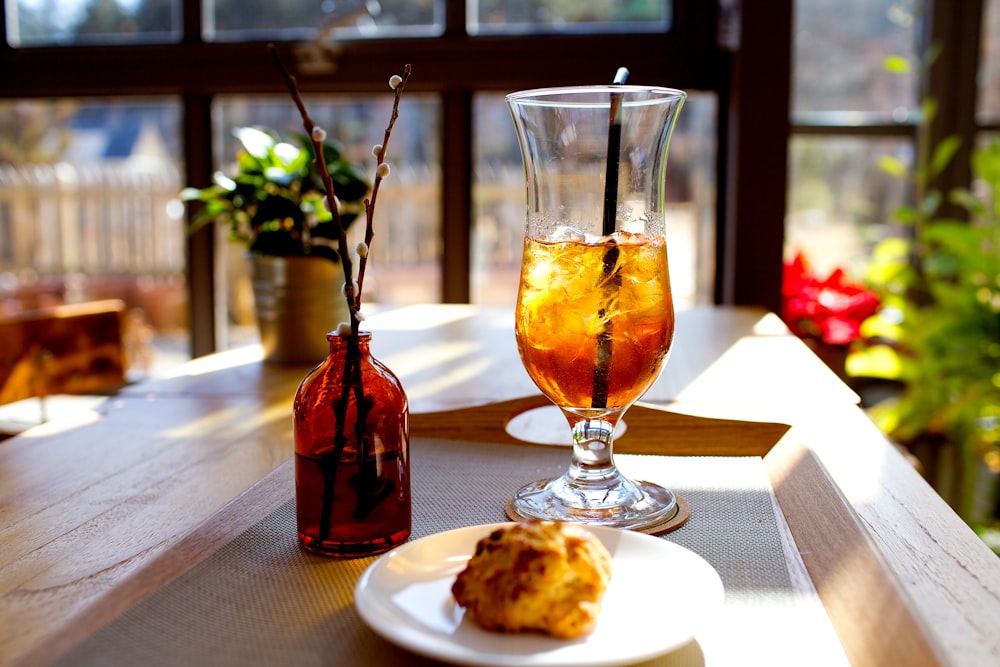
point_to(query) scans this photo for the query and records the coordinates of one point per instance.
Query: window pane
(839, 61)
(70, 22)
(404, 264)
(498, 202)
(840, 203)
(989, 70)
(518, 17)
(89, 210)
(303, 19)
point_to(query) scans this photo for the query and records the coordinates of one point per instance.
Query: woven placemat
(262, 600)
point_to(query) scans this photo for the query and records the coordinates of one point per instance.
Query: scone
(535, 576)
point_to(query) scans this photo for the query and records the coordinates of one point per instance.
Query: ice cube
(564, 233)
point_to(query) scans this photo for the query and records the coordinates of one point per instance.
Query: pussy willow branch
(379, 159)
(353, 294)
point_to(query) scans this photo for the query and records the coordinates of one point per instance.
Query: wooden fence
(127, 218)
(103, 219)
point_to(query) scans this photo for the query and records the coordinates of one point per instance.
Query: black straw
(599, 398)
(614, 151)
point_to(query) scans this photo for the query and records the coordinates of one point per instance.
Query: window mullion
(456, 195)
(955, 28)
(201, 251)
(756, 162)
(454, 17)
(192, 21)
(200, 265)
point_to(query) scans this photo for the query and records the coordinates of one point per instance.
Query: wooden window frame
(956, 30)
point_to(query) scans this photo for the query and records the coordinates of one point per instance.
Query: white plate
(660, 594)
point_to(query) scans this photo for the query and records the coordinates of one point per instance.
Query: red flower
(831, 309)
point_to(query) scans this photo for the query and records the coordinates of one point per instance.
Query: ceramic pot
(297, 301)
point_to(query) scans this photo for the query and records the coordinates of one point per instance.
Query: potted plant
(938, 336)
(274, 206)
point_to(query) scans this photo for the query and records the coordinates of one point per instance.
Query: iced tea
(595, 320)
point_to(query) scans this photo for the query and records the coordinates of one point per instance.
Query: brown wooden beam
(203, 306)
(456, 196)
(756, 159)
(488, 63)
(955, 28)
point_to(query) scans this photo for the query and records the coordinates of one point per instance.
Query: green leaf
(986, 164)
(277, 208)
(877, 361)
(882, 327)
(943, 154)
(940, 266)
(905, 214)
(287, 155)
(256, 141)
(200, 220)
(897, 65)
(223, 182)
(249, 165)
(191, 194)
(893, 166)
(967, 200)
(887, 415)
(953, 234)
(279, 175)
(928, 110)
(891, 250)
(930, 204)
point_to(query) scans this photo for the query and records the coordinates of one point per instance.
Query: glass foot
(634, 505)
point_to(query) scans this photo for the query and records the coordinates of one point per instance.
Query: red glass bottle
(352, 465)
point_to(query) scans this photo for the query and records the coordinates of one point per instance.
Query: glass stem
(593, 465)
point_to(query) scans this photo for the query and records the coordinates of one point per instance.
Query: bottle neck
(339, 342)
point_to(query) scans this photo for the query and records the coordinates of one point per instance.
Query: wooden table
(85, 506)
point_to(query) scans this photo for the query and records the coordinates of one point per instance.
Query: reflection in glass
(308, 19)
(405, 258)
(89, 210)
(498, 203)
(485, 17)
(840, 203)
(72, 22)
(838, 64)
